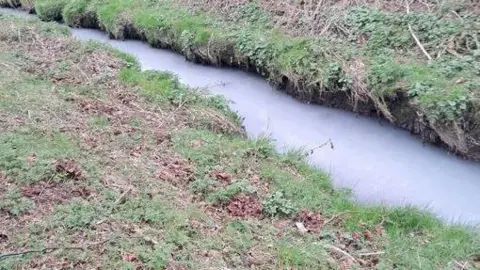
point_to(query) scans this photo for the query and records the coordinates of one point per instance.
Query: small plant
(203, 186)
(276, 205)
(253, 14)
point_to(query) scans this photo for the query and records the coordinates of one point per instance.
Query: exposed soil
(220, 176)
(175, 170)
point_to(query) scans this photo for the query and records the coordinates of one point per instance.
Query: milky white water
(380, 163)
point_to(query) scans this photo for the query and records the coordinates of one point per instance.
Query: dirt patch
(313, 221)
(53, 193)
(245, 206)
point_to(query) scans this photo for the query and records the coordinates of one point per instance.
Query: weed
(276, 205)
(203, 187)
(240, 233)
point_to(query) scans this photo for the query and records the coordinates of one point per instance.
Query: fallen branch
(335, 217)
(419, 44)
(336, 249)
(50, 249)
(45, 251)
(462, 266)
(371, 254)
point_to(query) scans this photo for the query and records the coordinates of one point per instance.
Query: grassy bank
(369, 58)
(105, 166)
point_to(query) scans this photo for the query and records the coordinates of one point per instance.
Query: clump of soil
(313, 221)
(69, 167)
(244, 206)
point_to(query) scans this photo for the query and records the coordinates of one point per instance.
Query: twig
(371, 253)
(328, 142)
(50, 249)
(463, 266)
(45, 250)
(120, 198)
(415, 36)
(335, 217)
(334, 248)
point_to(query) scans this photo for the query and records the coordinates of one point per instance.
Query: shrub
(277, 205)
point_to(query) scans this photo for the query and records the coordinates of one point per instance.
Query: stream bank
(378, 162)
(411, 103)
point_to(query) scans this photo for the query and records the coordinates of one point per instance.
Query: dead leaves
(245, 206)
(220, 175)
(313, 221)
(175, 170)
(69, 168)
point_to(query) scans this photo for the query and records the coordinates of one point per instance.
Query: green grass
(130, 215)
(50, 9)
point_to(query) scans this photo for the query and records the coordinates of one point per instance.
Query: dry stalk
(419, 44)
(340, 251)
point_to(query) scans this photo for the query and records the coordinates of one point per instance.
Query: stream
(377, 161)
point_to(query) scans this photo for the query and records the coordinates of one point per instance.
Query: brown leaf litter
(69, 167)
(175, 170)
(220, 175)
(53, 193)
(245, 206)
(313, 221)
